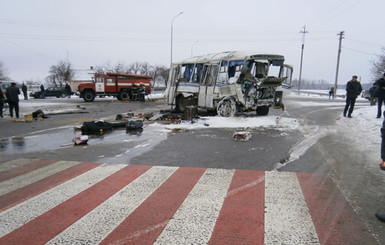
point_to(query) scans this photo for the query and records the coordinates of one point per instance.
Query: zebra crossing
(67, 202)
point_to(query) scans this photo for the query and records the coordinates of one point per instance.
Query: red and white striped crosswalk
(67, 202)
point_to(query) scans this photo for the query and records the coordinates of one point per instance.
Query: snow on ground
(280, 123)
(363, 129)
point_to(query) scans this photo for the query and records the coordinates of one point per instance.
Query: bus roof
(233, 55)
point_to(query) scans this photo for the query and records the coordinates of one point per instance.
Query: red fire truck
(122, 86)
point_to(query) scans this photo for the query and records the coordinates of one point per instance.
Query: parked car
(50, 92)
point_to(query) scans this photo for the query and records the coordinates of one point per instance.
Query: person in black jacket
(380, 94)
(68, 90)
(12, 93)
(353, 89)
(381, 216)
(1, 102)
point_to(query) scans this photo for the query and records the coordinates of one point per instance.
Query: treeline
(64, 71)
(322, 84)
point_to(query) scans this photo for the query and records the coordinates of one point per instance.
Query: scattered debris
(134, 124)
(80, 140)
(100, 126)
(38, 114)
(190, 113)
(241, 136)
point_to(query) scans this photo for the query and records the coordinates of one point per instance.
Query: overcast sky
(35, 34)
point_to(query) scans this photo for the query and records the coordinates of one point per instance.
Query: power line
(359, 51)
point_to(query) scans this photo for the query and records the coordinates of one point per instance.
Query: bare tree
(378, 66)
(146, 69)
(159, 73)
(135, 68)
(119, 67)
(61, 73)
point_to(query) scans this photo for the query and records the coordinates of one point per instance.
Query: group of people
(376, 92)
(12, 94)
(12, 97)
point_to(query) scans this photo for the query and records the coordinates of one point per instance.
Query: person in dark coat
(353, 89)
(68, 90)
(331, 93)
(1, 102)
(42, 89)
(12, 94)
(380, 94)
(24, 89)
(142, 90)
(381, 216)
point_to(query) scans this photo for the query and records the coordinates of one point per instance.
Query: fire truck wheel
(124, 95)
(89, 96)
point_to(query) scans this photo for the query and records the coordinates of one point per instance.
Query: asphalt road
(316, 147)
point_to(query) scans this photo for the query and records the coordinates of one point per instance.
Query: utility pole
(303, 47)
(341, 34)
(172, 24)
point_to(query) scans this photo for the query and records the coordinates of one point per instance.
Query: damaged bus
(229, 82)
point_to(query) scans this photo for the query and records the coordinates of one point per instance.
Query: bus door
(287, 71)
(99, 85)
(207, 85)
(172, 85)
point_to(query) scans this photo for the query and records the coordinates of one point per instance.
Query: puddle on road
(62, 138)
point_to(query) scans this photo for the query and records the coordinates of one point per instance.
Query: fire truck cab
(122, 86)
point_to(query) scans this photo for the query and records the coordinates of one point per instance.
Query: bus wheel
(124, 95)
(262, 110)
(227, 107)
(180, 103)
(89, 96)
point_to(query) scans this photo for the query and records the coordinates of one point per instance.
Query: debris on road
(242, 136)
(80, 140)
(100, 126)
(134, 124)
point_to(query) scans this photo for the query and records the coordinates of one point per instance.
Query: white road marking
(195, 220)
(18, 215)
(287, 217)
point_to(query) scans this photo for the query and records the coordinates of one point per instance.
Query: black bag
(134, 124)
(38, 113)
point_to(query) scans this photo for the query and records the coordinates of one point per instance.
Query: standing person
(353, 89)
(380, 94)
(12, 94)
(68, 90)
(142, 92)
(24, 89)
(372, 94)
(1, 102)
(381, 216)
(42, 91)
(331, 93)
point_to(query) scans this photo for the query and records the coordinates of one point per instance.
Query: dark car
(50, 92)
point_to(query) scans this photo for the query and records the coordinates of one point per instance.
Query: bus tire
(262, 110)
(89, 96)
(227, 107)
(180, 103)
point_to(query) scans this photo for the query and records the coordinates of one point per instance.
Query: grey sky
(37, 34)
